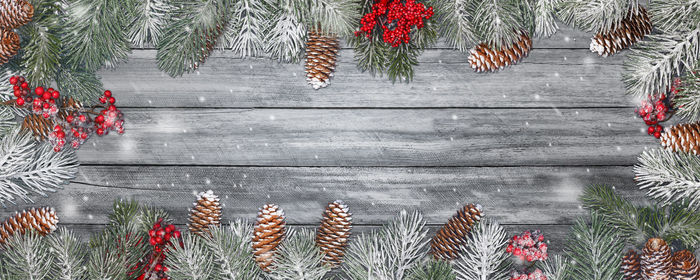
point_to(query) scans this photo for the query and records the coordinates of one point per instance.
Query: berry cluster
(535, 275)
(397, 19)
(160, 237)
(71, 122)
(529, 246)
(654, 110)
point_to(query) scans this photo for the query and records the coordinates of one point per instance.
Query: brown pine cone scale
(656, 260)
(447, 241)
(9, 45)
(41, 220)
(15, 13)
(483, 58)
(205, 213)
(685, 266)
(630, 30)
(333, 234)
(630, 268)
(269, 231)
(321, 54)
(682, 137)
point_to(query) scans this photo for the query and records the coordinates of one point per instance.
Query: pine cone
(333, 234)
(205, 213)
(631, 29)
(15, 13)
(447, 241)
(483, 58)
(9, 45)
(682, 137)
(685, 266)
(41, 220)
(321, 53)
(630, 267)
(656, 260)
(267, 235)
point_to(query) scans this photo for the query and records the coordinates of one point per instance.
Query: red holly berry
(39, 91)
(108, 93)
(13, 80)
(20, 101)
(657, 135)
(25, 85)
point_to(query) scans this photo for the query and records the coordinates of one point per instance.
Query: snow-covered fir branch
(556, 267)
(286, 39)
(298, 258)
(596, 16)
(484, 256)
(247, 27)
(499, 23)
(148, 19)
(69, 254)
(41, 59)
(669, 176)
(455, 18)
(628, 219)
(232, 251)
(28, 167)
(545, 17)
(432, 269)
(675, 16)
(687, 101)
(29, 258)
(191, 261)
(334, 16)
(595, 250)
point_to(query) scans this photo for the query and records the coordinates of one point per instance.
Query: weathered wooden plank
(547, 78)
(373, 137)
(510, 195)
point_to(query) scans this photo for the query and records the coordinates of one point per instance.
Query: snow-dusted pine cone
(205, 213)
(447, 241)
(656, 260)
(268, 233)
(321, 53)
(333, 234)
(41, 220)
(685, 266)
(15, 13)
(483, 58)
(682, 137)
(630, 30)
(630, 267)
(9, 45)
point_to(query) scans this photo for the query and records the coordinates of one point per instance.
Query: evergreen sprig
(69, 255)
(687, 101)
(41, 58)
(298, 258)
(232, 251)
(148, 18)
(191, 261)
(545, 17)
(455, 18)
(631, 223)
(248, 24)
(29, 258)
(675, 16)
(595, 249)
(598, 16)
(432, 269)
(500, 23)
(484, 254)
(669, 176)
(287, 38)
(556, 267)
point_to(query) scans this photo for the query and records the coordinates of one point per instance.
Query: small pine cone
(656, 260)
(447, 241)
(15, 13)
(41, 220)
(682, 137)
(630, 267)
(9, 45)
(321, 53)
(205, 213)
(267, 235)
(333, 234)
(39, 126)
(483, 58)
(630, 30)
(685, 266)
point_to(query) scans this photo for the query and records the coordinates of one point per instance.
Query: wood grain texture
(370, 137)
(510, 195)
(547, 78)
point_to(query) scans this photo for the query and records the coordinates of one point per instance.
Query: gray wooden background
(523, 142)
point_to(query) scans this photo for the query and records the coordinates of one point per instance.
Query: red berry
(108, 93)
(99, 131)
(657, 135)
(177, 234)
(159, 240)
(46, 96)
(60, 134)
(39, 91)
(82, 118)
(99, 119)
(161, 232)
(659, 128)
(55, 95)
(13, 80)
(83, 136)
(517, 252)
(20, 101)
(112, 100)
(46, 105)
(25, 85)
(650, 130)
(112, 108)
(57, 149)
(69, 118)
(158, 267)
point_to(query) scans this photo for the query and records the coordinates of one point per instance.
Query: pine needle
(595, 249)
(298, 258)
(432, 269)
(69, 255)
(669, 176)
(545, 18)
(29, 257)
(556, 267)
(191, 261)
(232, 251)
(484, 254)
(148, 19)
(249, 22)
(598, 16)
(687, 101)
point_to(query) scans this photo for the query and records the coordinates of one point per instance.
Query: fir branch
(499, 23)
(598, 16)
(187, 40)
(389, 254)
(41, 59)
(652, 64)
(454, 17)
(687, 101)
(676, 222)
(669, 176)
(148, 19)
(69, 255)
(287, 38)
(28, 257)
(630, 223)
(95, 34)
(30, 167)
(298, 258)
(191, 261)
(371, 54)
(545, 18)
(432, 269)
(401, 62)
(245, 34)
(232, 251)
(82, 85)
(334, 16)
(484, 254)
(596, 250)
(673, 16)
(7, 120)
(555, 267)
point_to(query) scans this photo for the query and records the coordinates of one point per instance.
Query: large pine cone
(321, 53)
(447, 241)
(630, 267)
(333, 234)
(9, 45)
(682, 137)
(685, 266)
(41, 220)
(15, 13)
(205, 213)
(483, 58)
(631, 29)
(267, 235)
(656, 260)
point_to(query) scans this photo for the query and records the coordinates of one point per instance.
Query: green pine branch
(597, 16)
(334, 16)
(232, 251)
(500, 23)
(29, 258)
(676, 222)
(484, 255)
(191, 261)
(82, 85)
(286, 39)
(595, 249)
(41, 59)
(247, 27)
(68, 255)
(687, 101)
(298, 258)
(455, 21)
(669, 176)
(432, 269)
(545, 17)
(675, 16)
(148, 18)
(556, 267)
(631, 223)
